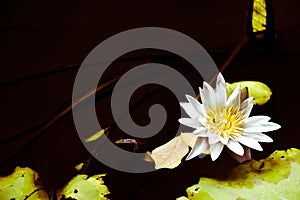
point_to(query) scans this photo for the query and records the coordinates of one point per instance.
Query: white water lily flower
(219, 121)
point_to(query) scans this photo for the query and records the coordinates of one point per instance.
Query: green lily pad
(82, 187)
(276, 177)
(22, 184)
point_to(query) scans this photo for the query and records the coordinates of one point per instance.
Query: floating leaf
(96, 135)
(22, 184)
(260, 92)
(182, 198)
(81, 188)
(170, 154)
(276, 177)
(189, 139)
(79, 166)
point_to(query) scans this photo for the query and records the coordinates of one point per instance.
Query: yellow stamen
(226, 122)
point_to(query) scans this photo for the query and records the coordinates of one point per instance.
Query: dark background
(41, 36)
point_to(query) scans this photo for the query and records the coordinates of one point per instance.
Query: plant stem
(232, 56)
(59, 116)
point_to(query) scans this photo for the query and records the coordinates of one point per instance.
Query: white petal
(246, 112)
(202, 121)
(246, 103)
(235, 147)
(249, 142)
(260, 137)
(210, 93)
(234, 98)
(197, 105)
(220, 80)
(200, 146)
(215, 150)
(189, 122)
(200, 131)
(221, 94)
(213, 138)
(190, 110)
(261, 127)
(206, 96)
(204, 99)
(247, 106)
(224, 140)
(257, 119)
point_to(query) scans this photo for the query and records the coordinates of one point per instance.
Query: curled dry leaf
(128, 141)
(170, 154)
(189, 139)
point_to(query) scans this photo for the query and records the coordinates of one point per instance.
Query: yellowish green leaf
(96, 135)
(276, 178)
(22, 183)
(260, 92)
(79, 166)
(82, 187)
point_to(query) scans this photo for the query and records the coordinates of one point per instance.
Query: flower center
(226, 122)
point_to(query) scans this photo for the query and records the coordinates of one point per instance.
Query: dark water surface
(38, 37)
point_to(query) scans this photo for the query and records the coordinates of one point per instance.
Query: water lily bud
(260, 92)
